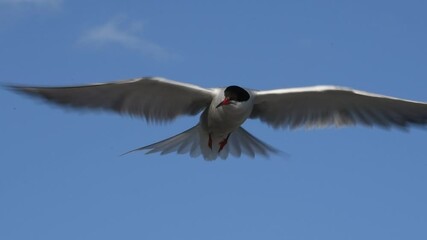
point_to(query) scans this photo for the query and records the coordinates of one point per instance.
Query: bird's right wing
(155, 99)
(321, 106)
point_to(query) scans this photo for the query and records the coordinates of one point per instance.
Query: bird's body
(220, 121)
(224, 110)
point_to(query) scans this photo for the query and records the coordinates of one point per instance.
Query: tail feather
(179, 143)
(234, 147)
(194, 142)
(241, 142)
(195, 150)
(259, 146)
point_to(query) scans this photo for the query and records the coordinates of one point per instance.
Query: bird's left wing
(321, 106)
(155, 99)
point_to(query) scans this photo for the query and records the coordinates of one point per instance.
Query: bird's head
(234, 95)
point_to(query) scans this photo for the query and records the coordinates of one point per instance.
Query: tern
(223, 110)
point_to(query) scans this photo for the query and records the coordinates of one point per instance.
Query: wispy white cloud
(126, 34)
(40, 3)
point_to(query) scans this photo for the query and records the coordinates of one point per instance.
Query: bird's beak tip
(226, 101)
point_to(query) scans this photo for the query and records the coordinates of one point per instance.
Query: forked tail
(194, 142)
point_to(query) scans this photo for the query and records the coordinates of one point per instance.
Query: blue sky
(61, 176)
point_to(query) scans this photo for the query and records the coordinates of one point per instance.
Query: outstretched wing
(155, 99)
(322, 106)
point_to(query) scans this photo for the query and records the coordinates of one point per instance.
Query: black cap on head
(236, 93)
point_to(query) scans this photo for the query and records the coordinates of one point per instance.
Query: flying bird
(223, 110)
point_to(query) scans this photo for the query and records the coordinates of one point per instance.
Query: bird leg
(223, 143)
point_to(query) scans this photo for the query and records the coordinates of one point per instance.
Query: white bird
(219, 132)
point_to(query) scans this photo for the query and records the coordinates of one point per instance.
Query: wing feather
(323, 106)
(153, 98)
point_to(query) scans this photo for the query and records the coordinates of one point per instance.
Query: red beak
(226, 101)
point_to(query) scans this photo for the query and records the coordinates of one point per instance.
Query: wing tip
(21, 89)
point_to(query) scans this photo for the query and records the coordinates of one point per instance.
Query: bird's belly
(221, 122)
